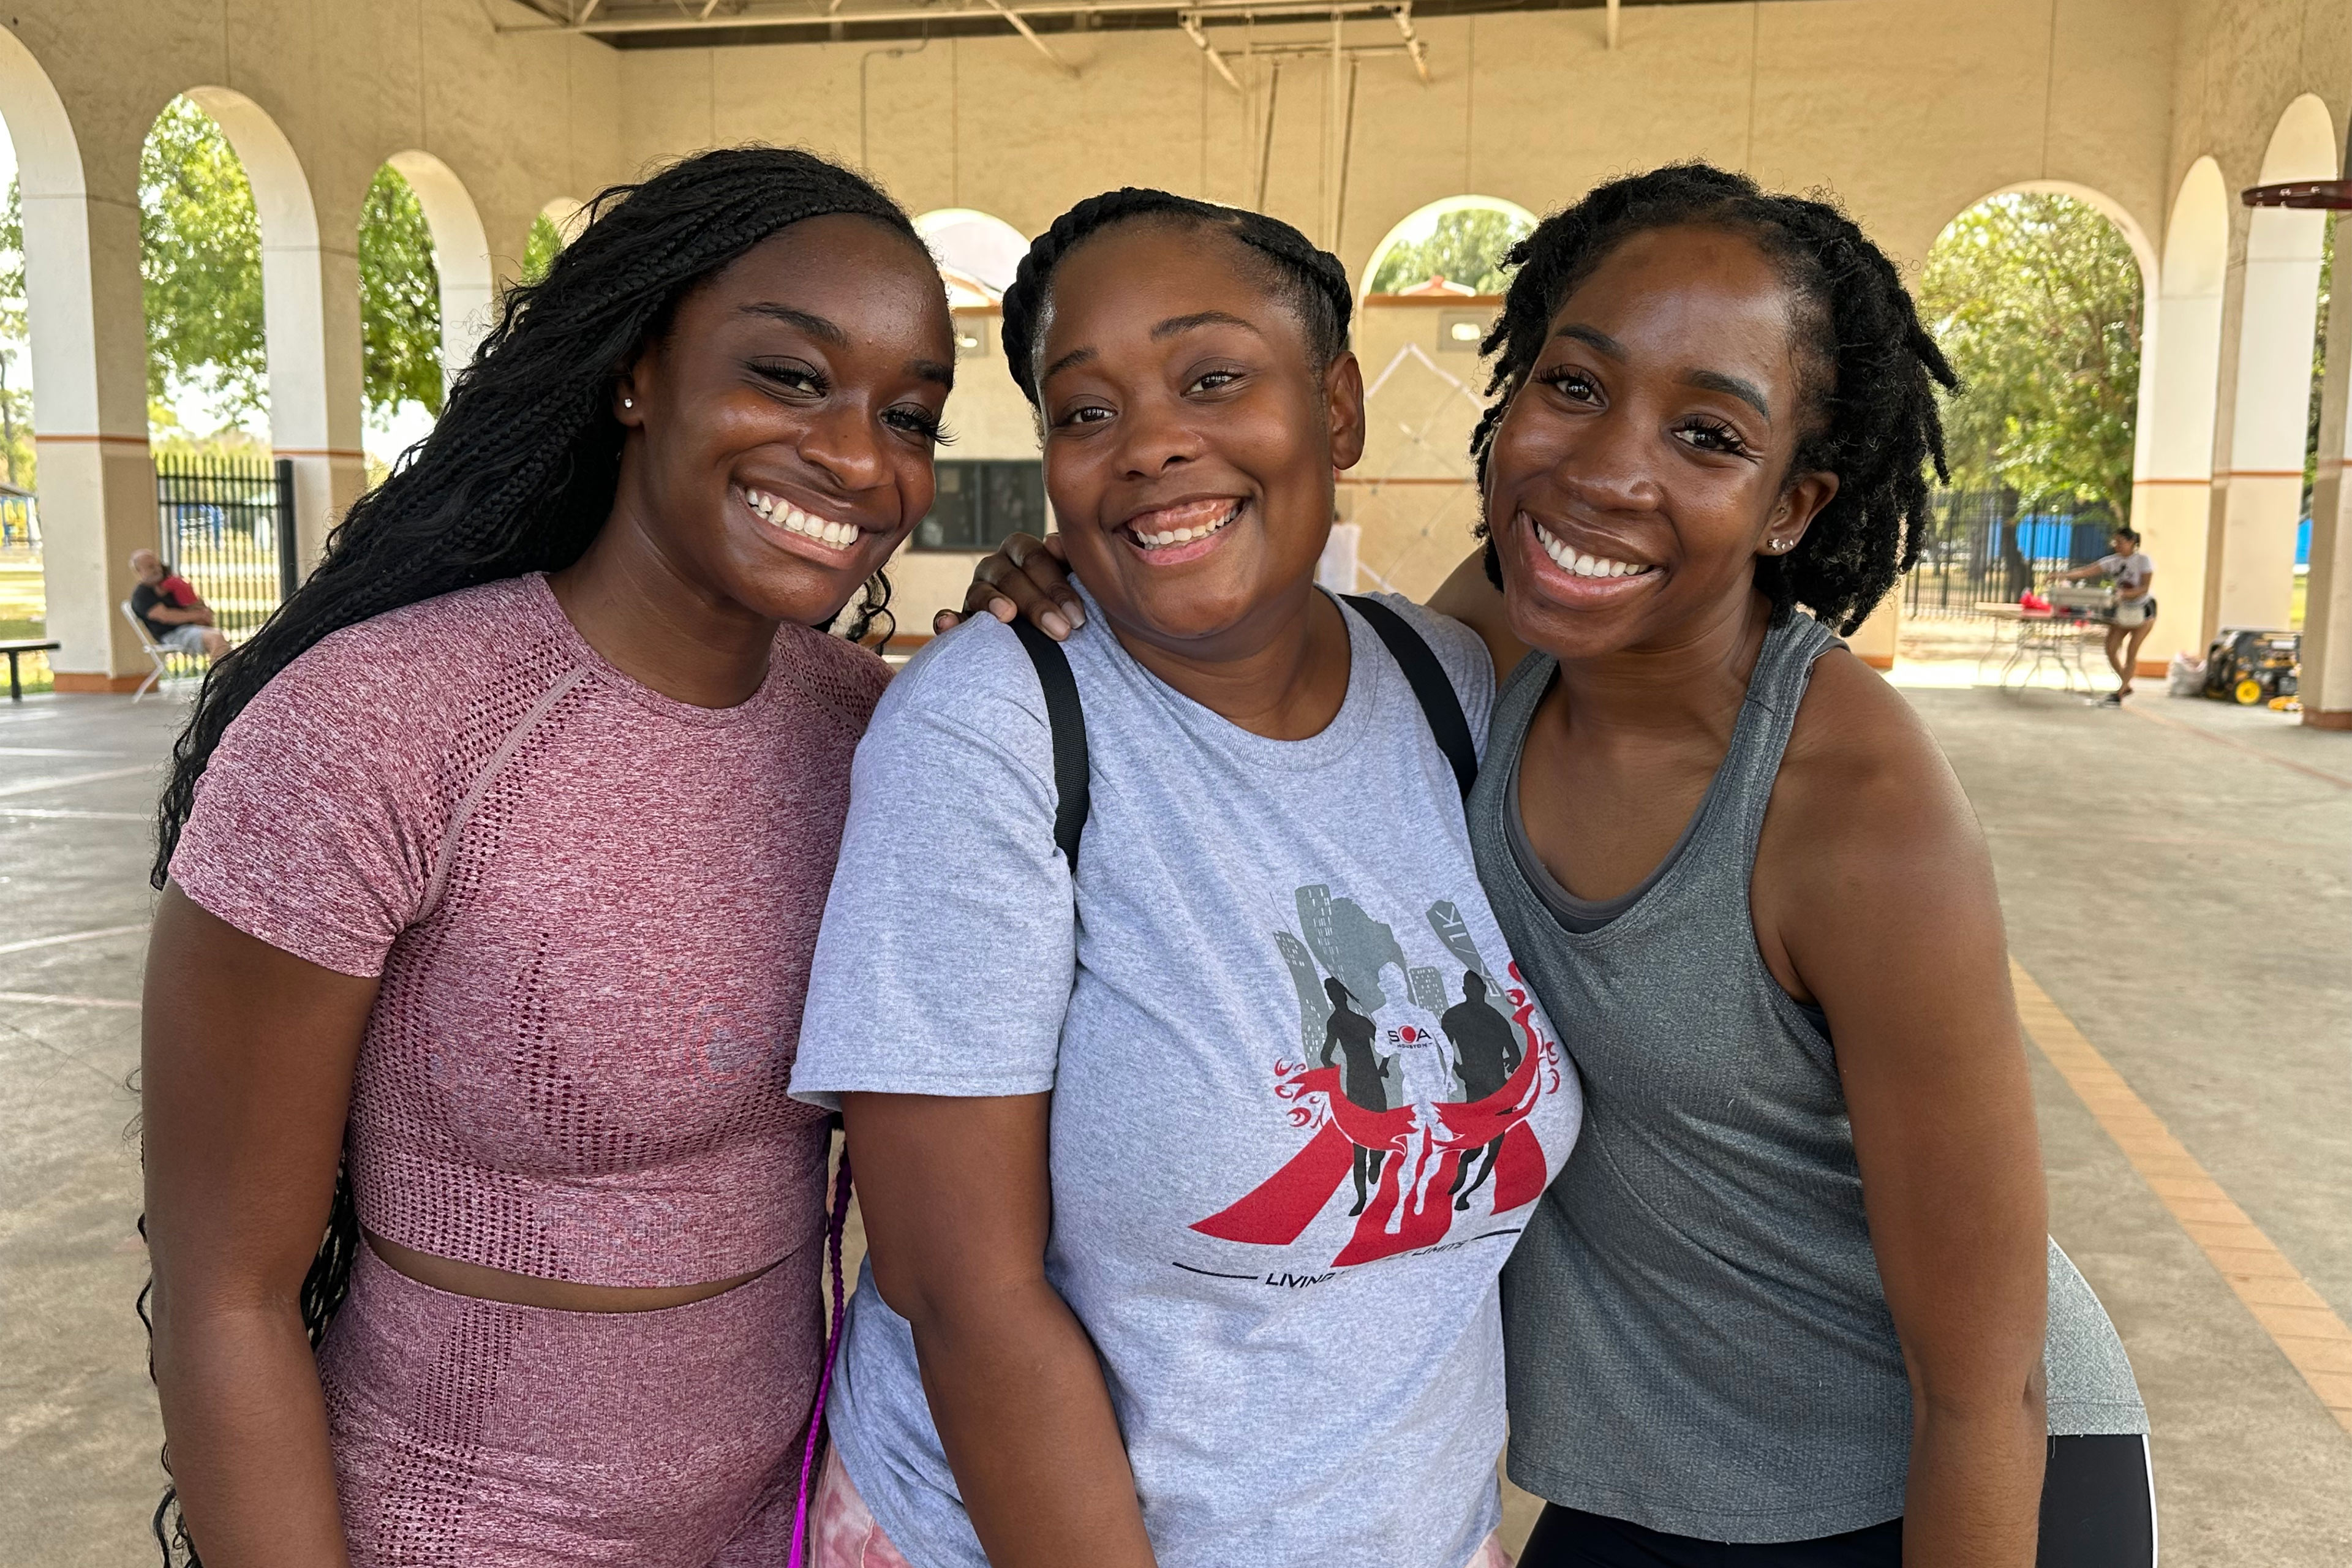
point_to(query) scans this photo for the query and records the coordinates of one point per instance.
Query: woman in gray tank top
(1788, 1295)
(1788, 1304)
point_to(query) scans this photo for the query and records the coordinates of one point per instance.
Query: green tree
(1466, 247)
(17, 460)
(2036, 300)
(2318, 358)
(400, 298)
(539, 250)
(200, 264)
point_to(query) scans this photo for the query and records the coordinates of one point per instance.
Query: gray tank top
(1697, 1337)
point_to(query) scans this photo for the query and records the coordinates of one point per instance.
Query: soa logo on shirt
(1415, 1082)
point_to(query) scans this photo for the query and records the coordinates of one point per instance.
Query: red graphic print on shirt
(1421, 1118)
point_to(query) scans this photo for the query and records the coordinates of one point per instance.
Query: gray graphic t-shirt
(1302, 1101)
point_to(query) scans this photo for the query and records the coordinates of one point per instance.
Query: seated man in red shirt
(174, 613)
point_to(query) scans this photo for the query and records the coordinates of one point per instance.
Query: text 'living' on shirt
(1302, 1100)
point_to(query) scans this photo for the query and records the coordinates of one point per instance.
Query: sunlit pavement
(2178, 881)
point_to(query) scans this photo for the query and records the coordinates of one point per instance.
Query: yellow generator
(2253, 667)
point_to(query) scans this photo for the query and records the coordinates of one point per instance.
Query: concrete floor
(2177, 878)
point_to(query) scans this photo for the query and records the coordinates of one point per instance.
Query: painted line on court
(31, 785)
(2339, 780)
(46, 999)
(69, 937)
(2306, 1331)
(53, 752)
(48, 812)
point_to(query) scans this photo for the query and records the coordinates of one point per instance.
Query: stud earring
(628, 403)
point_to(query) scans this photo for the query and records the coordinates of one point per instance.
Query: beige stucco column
(1874, 642)
(2180, 355)
(90, 363)
(2328, 603)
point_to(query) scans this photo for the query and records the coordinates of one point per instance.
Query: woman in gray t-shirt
(2126, 565)
(1190, 1153)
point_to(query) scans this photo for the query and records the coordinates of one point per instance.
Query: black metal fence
(1989, 546)
(226, 525)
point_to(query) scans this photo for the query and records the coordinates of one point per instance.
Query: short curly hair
(1308, 279)
(1871, 369)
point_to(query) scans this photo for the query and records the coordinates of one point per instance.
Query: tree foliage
(200, 266)
(1466, 247)
(539, 250)
(2036, 300)
(2318, 359)
(400, 298)
(16, 455)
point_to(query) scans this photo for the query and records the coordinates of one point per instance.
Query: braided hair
(1871, 370)
(516, 476)
(1310, 281)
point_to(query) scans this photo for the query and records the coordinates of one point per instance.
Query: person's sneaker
(2112, 699)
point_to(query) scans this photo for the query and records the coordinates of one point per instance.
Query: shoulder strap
(1068, 720)
(1440, 704)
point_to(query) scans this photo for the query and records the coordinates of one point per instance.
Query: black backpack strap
(1068, 720)
(1439, 701)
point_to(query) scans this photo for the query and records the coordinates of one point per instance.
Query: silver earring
(628, 403)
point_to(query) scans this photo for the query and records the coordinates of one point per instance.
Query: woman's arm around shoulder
(1470, 597)
(1873, 898)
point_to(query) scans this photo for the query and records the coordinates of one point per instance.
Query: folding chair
(157, 653)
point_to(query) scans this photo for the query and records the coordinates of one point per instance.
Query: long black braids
(1311, 281)
(518, 476)
(1872, 369)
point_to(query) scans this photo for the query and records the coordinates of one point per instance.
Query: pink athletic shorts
(489, 1435)
(847, 1537)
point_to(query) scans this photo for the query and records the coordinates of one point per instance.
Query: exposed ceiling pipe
(1026, 31)
(1266, 158)
(1412, 44)
(1210, 12)
(1192, 25)
(1613, 6)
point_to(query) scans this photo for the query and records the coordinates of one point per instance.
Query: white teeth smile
(1580, 564)
(1184, 535)
(784, 514)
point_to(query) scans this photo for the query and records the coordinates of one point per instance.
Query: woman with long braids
(491, 869)
(1792, 1302)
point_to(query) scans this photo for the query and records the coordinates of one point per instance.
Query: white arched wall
(89, 374)
(461, 255)
(2181, 364)
(2250, 581)
(309, 319)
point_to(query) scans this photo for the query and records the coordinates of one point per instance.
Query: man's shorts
(188, 637)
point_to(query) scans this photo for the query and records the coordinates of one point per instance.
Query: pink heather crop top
(592, 909)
